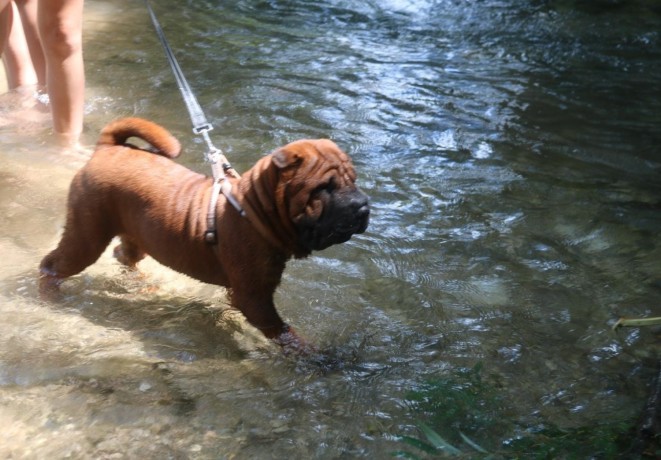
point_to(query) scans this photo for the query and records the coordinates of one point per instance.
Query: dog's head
(318, 192)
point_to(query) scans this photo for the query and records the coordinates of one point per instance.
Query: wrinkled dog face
(345, 213)
(325, 205)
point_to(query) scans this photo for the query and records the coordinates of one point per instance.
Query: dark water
(511, 153)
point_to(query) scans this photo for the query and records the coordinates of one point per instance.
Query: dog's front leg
(260, 312)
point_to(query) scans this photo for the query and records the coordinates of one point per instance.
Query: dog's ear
(285, 157)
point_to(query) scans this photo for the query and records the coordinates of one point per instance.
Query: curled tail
(117, 133)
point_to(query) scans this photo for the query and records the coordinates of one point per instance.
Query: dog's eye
(327, 187)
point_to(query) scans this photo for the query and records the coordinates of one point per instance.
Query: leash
(220, 166)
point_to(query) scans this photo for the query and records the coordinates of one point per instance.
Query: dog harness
(220, 185)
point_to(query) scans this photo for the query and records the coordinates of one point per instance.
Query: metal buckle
(205, 128)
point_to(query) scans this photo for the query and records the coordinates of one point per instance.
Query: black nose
(360, 202)
(363, 212)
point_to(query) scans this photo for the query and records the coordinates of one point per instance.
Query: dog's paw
(49, 287)
(293, 344)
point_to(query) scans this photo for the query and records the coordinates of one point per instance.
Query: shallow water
(510, 151)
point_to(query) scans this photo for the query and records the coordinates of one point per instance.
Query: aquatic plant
(464, 417)
(436, 444)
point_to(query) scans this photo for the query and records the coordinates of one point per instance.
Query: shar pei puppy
(300, 198)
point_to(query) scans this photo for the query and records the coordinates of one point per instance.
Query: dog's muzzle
(346, 215)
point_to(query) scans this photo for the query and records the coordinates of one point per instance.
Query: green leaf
(419, 444)
(437, 441)
(472, 443)
(404, 454)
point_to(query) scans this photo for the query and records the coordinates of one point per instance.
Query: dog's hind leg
(128, 252)
(86, 235)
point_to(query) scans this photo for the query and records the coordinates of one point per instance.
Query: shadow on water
(510, 151)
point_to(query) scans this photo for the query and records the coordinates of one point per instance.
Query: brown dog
(300, 198)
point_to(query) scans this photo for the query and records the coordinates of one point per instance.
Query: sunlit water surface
(511, 153)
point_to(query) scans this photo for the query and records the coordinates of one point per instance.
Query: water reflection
(509, 150)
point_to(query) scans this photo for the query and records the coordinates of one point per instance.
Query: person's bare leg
(16, 56)
(6, 16)
(60, 29)
(28, 14)
(5, 23)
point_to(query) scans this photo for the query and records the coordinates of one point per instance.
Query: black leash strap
(219, 163)
(200, 123)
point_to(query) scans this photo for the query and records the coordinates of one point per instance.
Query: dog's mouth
(356, 225)
(337, 229)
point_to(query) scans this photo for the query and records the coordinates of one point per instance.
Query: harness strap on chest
(220, 185)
